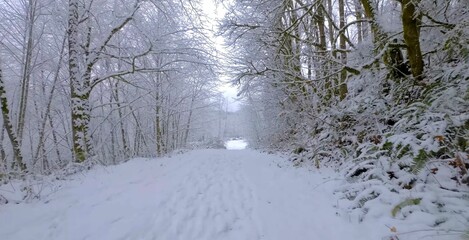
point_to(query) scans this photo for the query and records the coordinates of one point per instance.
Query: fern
(403, 150)
(419, 161)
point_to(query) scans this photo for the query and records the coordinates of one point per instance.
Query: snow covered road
(202, 194)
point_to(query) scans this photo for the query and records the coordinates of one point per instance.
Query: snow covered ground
(199, 195)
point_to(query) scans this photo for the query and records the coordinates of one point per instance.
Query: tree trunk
(123, 133)
(343, 56)
(378, 33)
(331, 28)
(26, 71)
(188, 123)
(9, 126)
(79, 89)
(359, 17)
(49, 103)
(331, 65)
(410, 22)
(159, 136)
(3, 156)
(322, 68)
(56, 142)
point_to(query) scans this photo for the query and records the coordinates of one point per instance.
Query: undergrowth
(405, 150)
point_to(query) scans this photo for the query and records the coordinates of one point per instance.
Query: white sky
(215, 12)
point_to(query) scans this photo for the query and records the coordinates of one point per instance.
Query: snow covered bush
(416, 167)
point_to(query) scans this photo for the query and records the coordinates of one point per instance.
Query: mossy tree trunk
(323, 66)
(9, 126)
(410, 21)
(343, 55)
(359, 17)
(332, 65)
(79, 95)
(378, 34)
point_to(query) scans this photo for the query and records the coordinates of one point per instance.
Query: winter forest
(114, 116)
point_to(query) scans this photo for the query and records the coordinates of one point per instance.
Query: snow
(202, 194)
(237, 144)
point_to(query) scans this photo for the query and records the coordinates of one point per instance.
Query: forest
(101, 81)
(375, 90)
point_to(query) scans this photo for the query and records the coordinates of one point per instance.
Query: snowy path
(204, 194)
